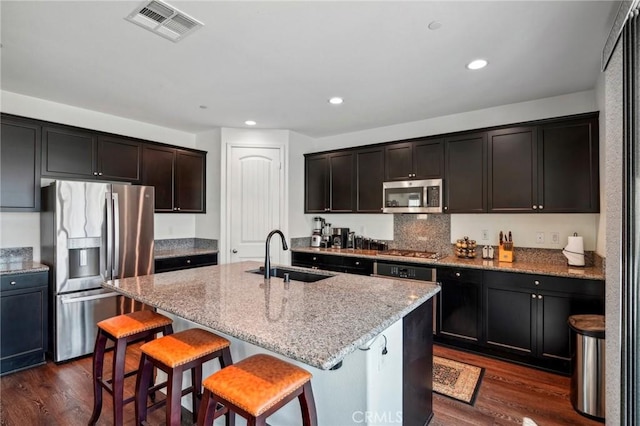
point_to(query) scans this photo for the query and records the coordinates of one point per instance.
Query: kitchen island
(367, 341)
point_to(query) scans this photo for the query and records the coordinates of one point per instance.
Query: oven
(407, 271)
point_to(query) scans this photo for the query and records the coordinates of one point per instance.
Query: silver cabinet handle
(457, 274)
(315, 258)
(539, 296)
(541, 207)
(446, 208)
(536, 282)
(357, 263)
(234, 251)
(13, 283)
(188, 260)
(535, 207)
(95, 173)
(99, 173)
(533, 296)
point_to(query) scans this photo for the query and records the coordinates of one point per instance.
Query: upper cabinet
(329, 182)
(369, 175)
(418, 159)
(466, 173)
(551, 167)
(178, 177)
(19, 165)
(83, 154)
(568, 179)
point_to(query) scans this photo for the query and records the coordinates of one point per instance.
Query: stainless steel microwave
(412, 196)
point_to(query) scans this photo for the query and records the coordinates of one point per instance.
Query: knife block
(505, 252)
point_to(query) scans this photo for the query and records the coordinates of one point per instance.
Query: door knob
(234, 251)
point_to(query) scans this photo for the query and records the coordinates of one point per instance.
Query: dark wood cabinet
(178, 177)
(119, 159)
(83, 154)
(19, 165)
(69, 153)
(185, 262)
(466, 173)
(460, 303)
(369, 175)
(512, 170)
(23, 321)
(418, 159)
(527, 314)
(329, 182)
(329, 262)
(568, 178)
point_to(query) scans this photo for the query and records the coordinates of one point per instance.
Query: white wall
(208, 225)
(381, 226)
(18, 229)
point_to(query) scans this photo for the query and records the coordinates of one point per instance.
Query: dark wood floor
(62, 395)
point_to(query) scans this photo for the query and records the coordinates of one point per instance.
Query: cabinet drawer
(185, 262)
(577, 286)
(22, 281)
(459, 274)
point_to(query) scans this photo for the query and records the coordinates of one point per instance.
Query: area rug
(456, 379)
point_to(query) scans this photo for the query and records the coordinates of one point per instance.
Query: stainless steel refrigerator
(91, 232)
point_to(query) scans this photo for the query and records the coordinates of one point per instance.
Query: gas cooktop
(412, 253)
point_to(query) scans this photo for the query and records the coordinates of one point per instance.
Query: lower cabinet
(23, 320)
(460, 303)
(329, 262)
(185, 262)
(527, 314)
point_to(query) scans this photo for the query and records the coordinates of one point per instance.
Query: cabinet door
(428, 159)
(554, 309)
(510, 315)
(460, 303)
(19, 165)
(316, 183)
(369, 175)
(398, 159)
(341, 182)
(23, 318)
(119, 159)
(68, 153)
(466, 176)
(190, 182)
(158, 171)
(568, 167)
(512, 171)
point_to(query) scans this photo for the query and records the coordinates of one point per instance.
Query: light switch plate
(555, 238)
(539, 237)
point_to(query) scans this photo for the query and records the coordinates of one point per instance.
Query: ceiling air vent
(164, 20)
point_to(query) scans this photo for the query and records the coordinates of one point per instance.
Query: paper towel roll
(574, 251)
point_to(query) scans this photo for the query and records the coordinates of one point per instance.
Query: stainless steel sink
(292, 274)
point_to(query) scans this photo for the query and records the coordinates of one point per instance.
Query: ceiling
(278, 63)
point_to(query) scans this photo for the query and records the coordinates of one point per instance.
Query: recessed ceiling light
(434, 25)
(203, 107)
(477, 64)
(250, 123)
(336, 100)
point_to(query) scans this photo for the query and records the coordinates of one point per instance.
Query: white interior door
(254, 193)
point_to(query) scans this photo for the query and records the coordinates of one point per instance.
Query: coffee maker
(340, 237)
(316, 235)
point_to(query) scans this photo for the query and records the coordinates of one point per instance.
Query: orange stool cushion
(185, 346)
(136, 322)
(257, 383)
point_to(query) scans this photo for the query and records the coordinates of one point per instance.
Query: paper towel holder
(574, 250)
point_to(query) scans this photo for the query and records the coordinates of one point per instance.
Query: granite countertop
(179, 252)
(315, 323)
(592, 273)
(23, 267)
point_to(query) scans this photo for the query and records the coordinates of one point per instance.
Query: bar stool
(175, 354)
(122, 330)
(255, 388)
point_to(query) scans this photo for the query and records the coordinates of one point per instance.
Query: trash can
(587, 359)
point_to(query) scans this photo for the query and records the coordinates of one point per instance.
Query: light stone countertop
(592, 273)
(23, 267)
(317, 323)
(180, 252)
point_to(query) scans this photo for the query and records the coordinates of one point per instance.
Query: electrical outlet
(485, 234)
(539, 237)
(555, 238)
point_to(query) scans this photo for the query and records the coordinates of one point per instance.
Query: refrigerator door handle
(116, 237)
(85, 298)
(109, 224)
